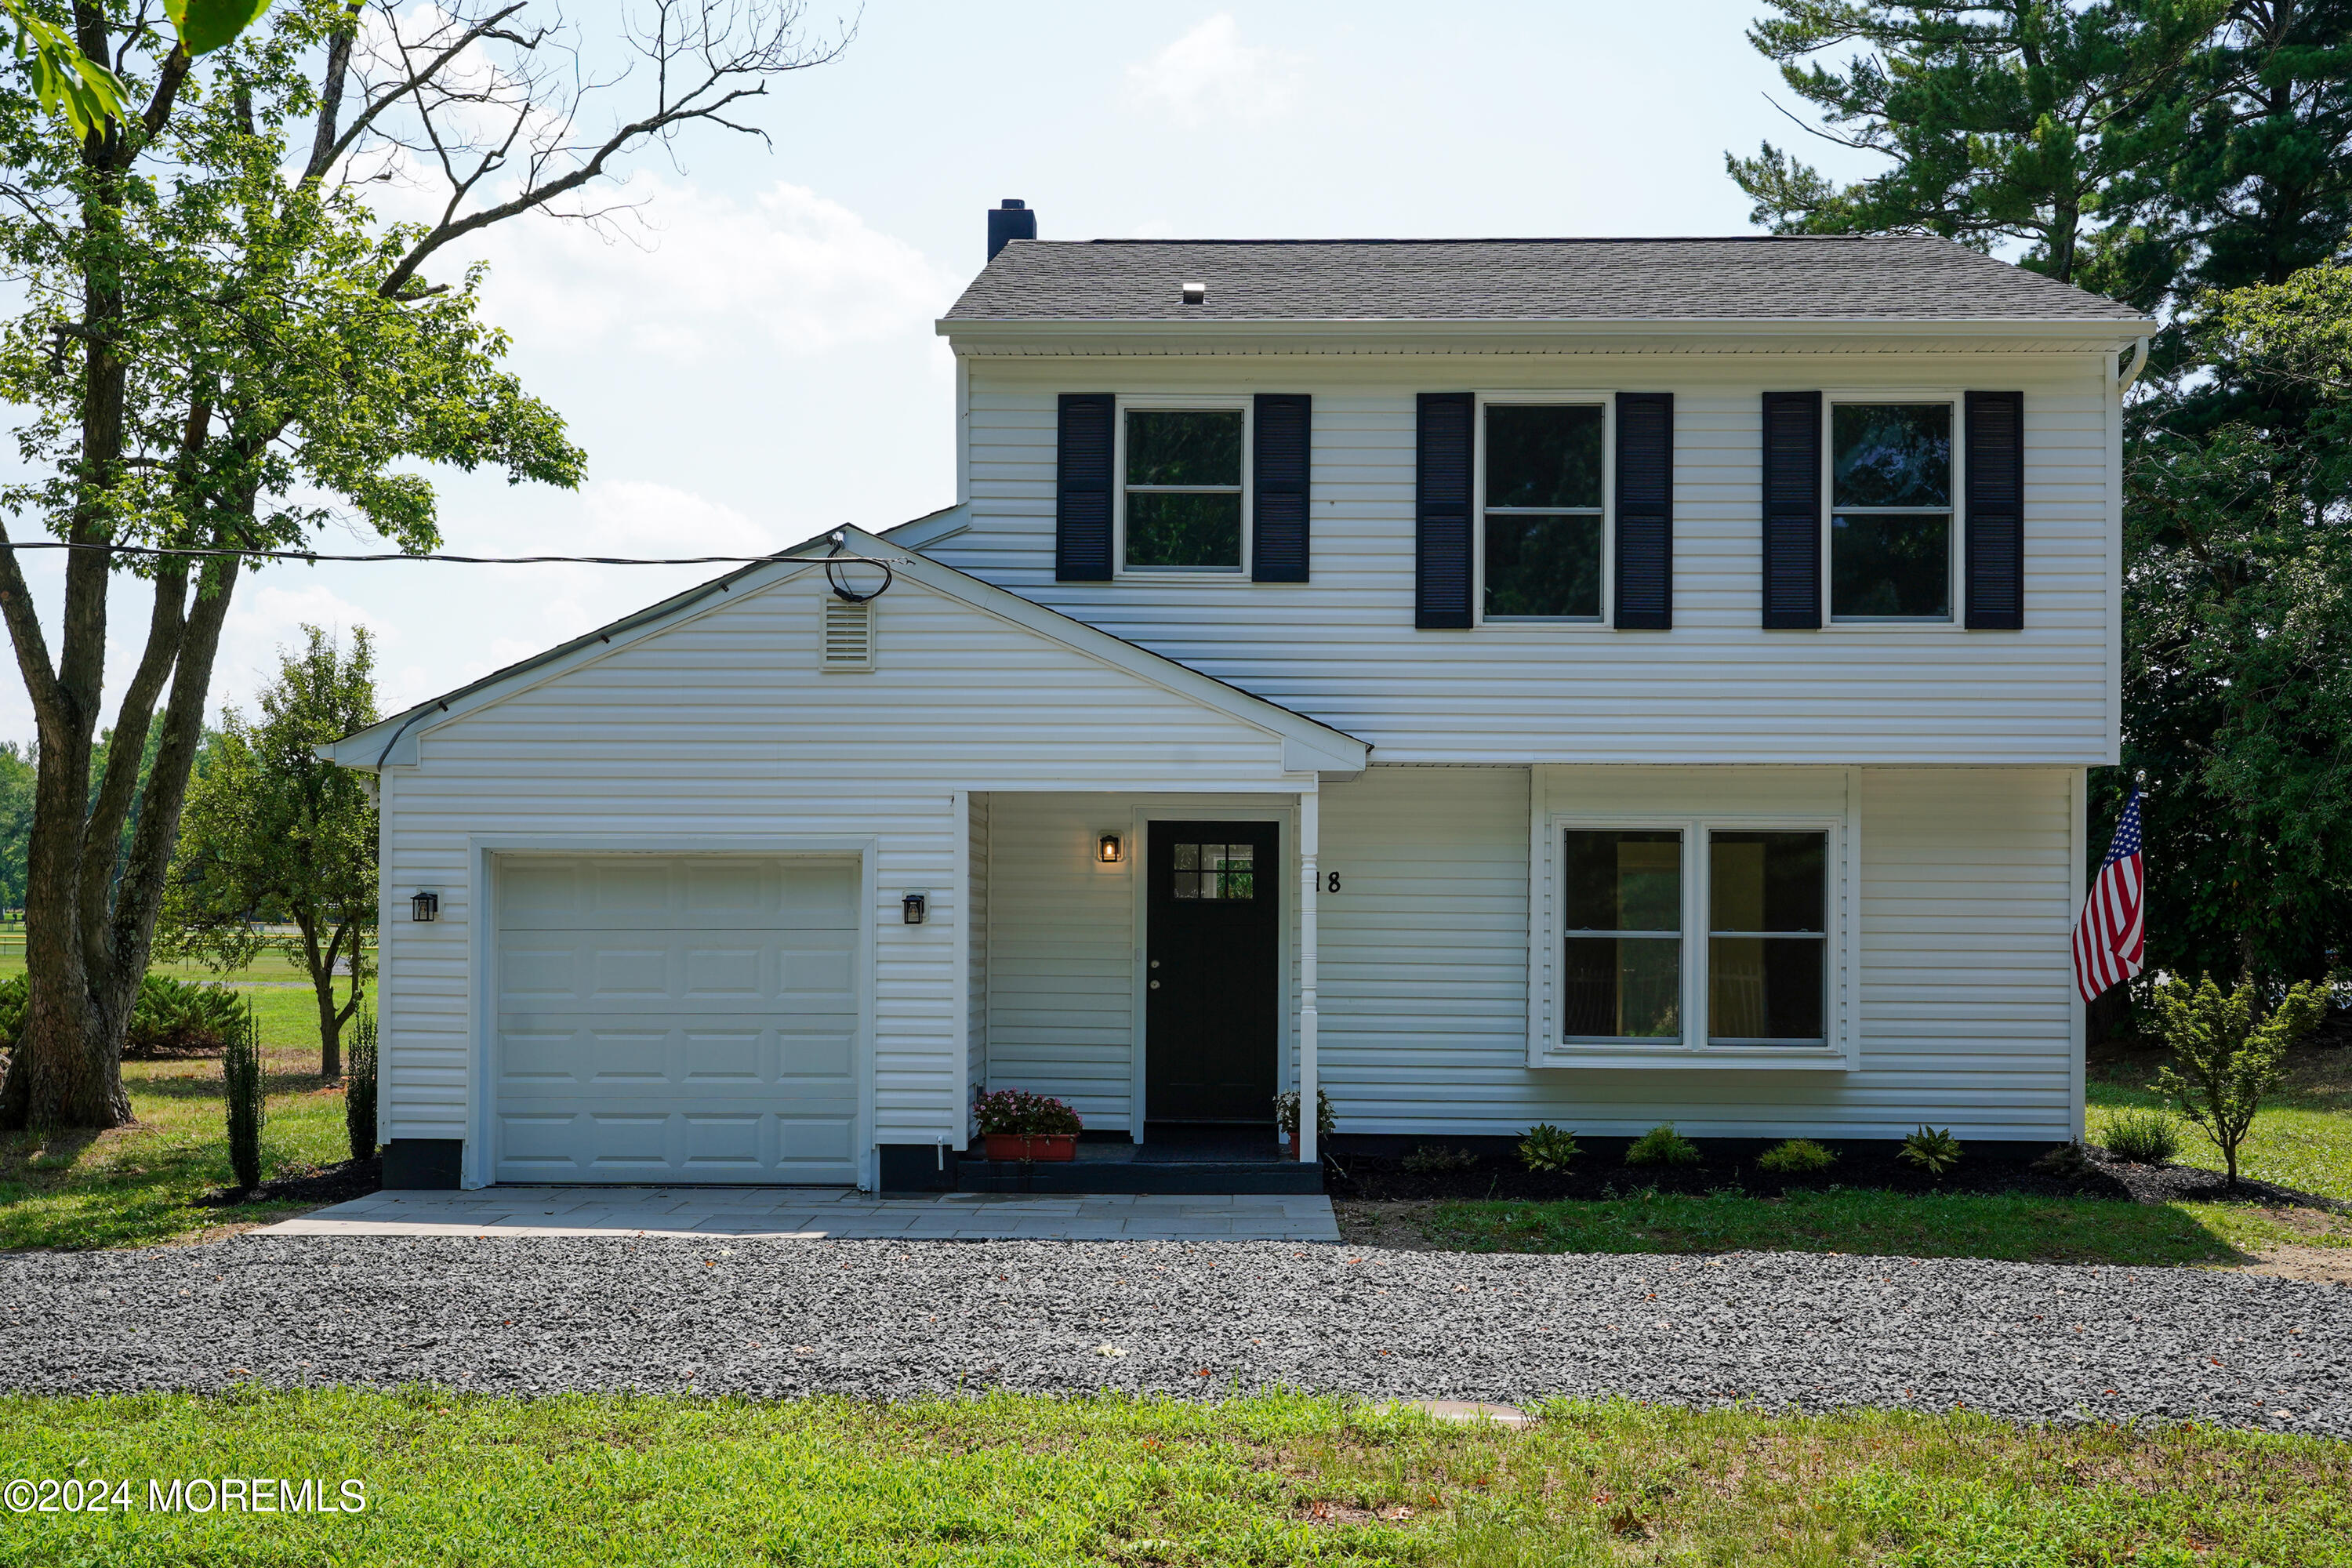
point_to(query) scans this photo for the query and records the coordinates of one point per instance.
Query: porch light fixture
(913, 908)
(424, 907)
(1109, 850)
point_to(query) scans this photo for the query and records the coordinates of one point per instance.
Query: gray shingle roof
(1749, 278)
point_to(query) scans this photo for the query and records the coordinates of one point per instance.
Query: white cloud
(1209, 73)
(689, 272)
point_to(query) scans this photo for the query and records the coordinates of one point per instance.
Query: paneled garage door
(687, 1020)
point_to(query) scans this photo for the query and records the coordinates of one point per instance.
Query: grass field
(134, 1185)
(1274, 1479)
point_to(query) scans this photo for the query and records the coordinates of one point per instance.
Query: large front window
(1543, 511)
(1678, 936)
(1621, 969)
(1891, 510)
(1183, 489)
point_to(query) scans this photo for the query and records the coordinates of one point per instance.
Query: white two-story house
(1596, 682)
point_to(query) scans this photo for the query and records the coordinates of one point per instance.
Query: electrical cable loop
(843, 591)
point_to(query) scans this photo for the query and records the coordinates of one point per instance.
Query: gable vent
(848, 637)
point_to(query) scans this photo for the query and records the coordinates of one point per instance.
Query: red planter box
(1031, 1146)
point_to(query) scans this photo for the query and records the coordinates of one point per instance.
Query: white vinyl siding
(1716, 688)
(717, 731)
(1963, 978)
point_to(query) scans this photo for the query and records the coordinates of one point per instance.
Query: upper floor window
(1182, 488)
(1542, 555)
(1891, 510)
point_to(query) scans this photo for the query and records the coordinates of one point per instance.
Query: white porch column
(1311, 833)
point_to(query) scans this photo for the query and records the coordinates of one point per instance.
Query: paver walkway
(818, 1214)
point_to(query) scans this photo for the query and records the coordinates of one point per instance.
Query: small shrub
(1285, 1114)
(359, 1089)
(168, 1017)
(1933, 1149)
(1796, 1157)
(1017, 1110)
(1661, 1145)
(2227, 1054)
(1547, 1147)
(248, 1098)
(181, 1017)
(2143, 1137)
(1436, 1160)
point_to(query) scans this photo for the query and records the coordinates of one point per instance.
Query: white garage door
(686, 1019)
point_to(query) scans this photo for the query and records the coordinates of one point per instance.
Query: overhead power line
(314, 555)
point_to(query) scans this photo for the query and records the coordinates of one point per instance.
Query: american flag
(2111, 939)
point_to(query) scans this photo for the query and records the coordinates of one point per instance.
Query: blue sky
(757, 362)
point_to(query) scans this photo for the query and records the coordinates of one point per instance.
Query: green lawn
(2025, 1229)
(1275, 1480)
(133, 1185)
(2303, 1139)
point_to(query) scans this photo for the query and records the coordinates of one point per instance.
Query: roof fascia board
(1306, 742)
(1334, 748)
(930, 529)
(1163, 336)
(363, 749)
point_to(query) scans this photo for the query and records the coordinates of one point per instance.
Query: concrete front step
(1177, 1176)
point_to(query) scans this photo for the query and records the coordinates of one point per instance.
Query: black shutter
(1994, 541)
(1792, 511)
(1282, 457)
(1082, 488)
(1441, 557)
(1645, 510)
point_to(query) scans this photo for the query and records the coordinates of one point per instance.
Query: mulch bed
(313, 1184)
(1600, 1172)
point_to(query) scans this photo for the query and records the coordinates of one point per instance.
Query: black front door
(1212, 975)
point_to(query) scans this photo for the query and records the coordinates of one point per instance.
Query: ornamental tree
(273, 835)
(2227, 1053)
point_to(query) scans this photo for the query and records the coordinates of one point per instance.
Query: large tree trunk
(87, 935)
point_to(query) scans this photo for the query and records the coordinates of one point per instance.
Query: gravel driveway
(895, 1319)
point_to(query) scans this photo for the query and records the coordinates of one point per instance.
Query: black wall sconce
(914, 909)
(1109, 850)
(424, 907)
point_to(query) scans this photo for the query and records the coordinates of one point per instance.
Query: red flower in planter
(1018, 1125)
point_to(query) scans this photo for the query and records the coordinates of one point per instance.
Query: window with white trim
(1891, 490)
(1693, 937)
(1181, 488)
(1543, 526)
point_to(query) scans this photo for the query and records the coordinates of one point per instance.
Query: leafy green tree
(16, 819)
(83, 90)
(272, 835)
(2000, 120)
(2228, 1053)
(218, 347)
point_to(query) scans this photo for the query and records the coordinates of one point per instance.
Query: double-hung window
(1686, 937)
(1891, 488)
(1180, 490)
(1543, 556)
(1621, 953)
(1767, 938)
